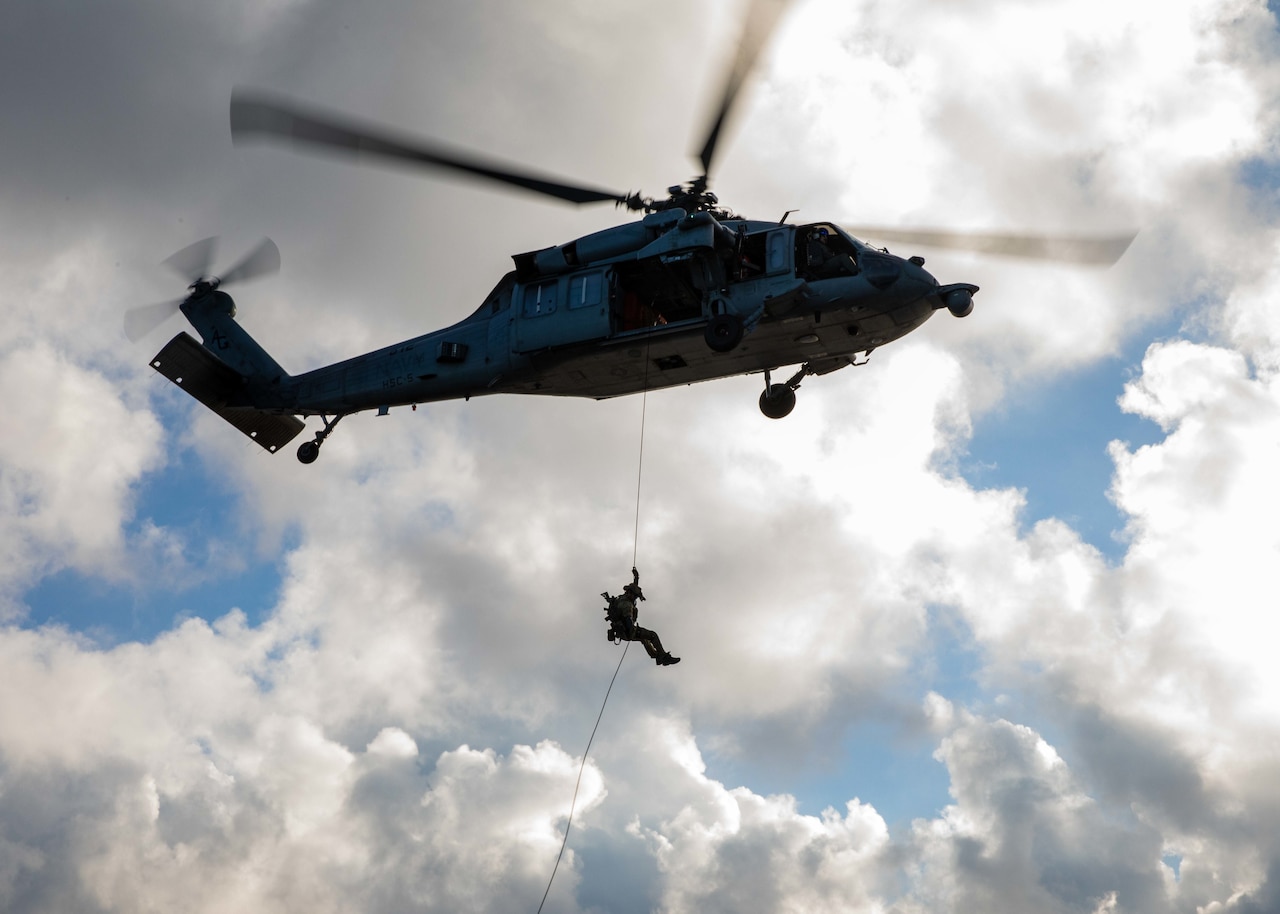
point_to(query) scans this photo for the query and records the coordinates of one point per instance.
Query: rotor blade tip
(140, 321)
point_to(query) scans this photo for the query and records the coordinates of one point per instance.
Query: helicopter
(688, 292)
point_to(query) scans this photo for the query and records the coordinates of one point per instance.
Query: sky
(985, 624)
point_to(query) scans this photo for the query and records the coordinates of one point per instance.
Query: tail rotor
(263, 260)
(192, 264)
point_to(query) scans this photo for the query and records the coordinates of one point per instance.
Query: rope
(573, 805)
(644, 404)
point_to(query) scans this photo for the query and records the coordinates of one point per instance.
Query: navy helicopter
(688, 292)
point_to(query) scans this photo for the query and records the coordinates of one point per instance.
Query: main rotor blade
(257, 117)
(192, 262)
(1100, 250)
(761, 19)
(140, 321)
(261, 261)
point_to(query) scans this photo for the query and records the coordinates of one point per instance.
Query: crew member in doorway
(622, 613)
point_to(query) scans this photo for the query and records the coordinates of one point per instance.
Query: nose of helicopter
(904, 279)
(914, 273)
(914, 281)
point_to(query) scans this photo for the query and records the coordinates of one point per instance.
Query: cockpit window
(837, 238)
(825, 251)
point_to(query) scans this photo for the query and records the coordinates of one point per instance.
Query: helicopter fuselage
(671, 299)
(634, 320)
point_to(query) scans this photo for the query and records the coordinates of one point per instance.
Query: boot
(667, 660)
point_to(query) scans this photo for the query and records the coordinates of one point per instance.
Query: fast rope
(573, 805)
(644, 403)
(644, 406)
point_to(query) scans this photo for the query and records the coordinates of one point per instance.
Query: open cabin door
(561, 310)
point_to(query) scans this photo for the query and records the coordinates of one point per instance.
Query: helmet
(633, 590)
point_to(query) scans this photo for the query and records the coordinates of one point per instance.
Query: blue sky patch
(883, 761)
(1050, 439)
(220, 569)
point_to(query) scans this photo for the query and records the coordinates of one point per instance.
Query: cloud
(730, 850)
(1023, 835)
(155, 788)
(1052, 118)
(71, 450)
(1201, 534)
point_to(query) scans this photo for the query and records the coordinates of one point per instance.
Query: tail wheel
(308, 451)
(724, 332)
(778, 401)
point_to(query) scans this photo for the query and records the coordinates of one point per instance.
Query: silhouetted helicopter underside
(688, 292)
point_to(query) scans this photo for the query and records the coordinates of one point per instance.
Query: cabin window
(776, 252)
(586, 290)
(540, 299)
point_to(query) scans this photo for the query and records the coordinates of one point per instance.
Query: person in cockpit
(824, 260)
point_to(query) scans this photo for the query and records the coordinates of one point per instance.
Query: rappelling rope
(644, 406)
(573, 805)
(644, 402)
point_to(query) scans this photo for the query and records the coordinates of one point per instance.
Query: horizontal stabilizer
(199, 372)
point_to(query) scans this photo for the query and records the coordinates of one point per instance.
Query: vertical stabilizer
(213, 315)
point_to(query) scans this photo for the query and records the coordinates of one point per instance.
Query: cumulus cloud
(155, 789)
(1023, 835)
(732, 849)
(1158, 669)
(1202, 536)
(1058, 118)
(71, 450)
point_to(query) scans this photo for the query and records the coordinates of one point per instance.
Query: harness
(621, 615)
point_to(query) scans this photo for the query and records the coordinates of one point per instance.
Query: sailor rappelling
(622, 613)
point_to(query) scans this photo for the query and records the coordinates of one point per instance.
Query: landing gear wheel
(724, 332)
(778, 401)
(308, 451)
